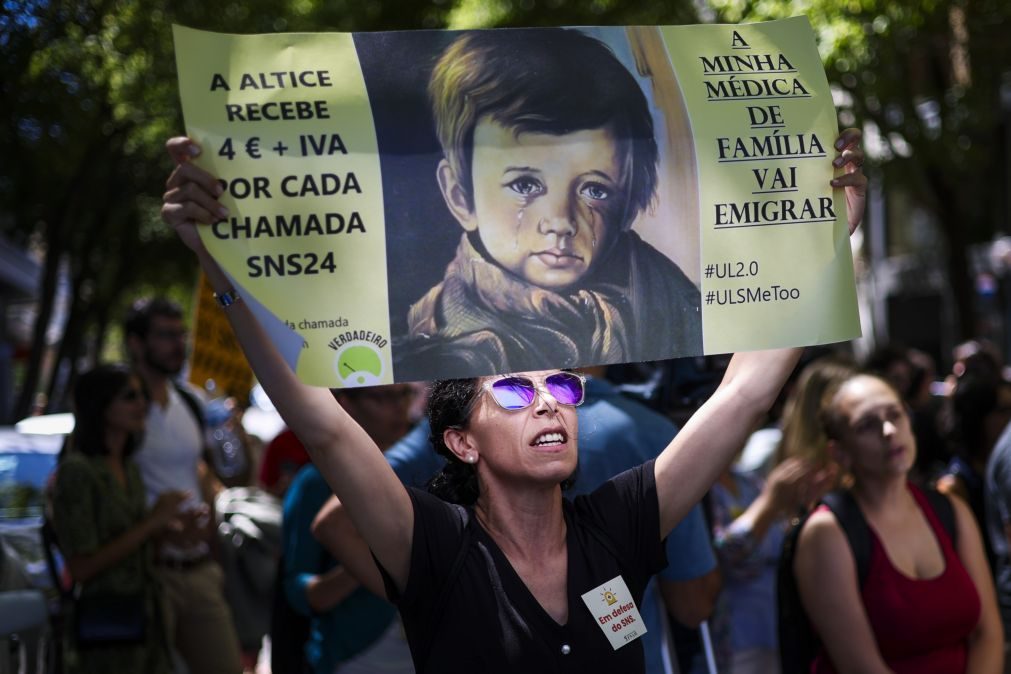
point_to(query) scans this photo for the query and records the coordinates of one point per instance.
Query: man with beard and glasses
(198, 619)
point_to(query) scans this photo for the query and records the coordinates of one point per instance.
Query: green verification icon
(359, 365)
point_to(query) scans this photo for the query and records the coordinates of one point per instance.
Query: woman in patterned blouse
(105, 529)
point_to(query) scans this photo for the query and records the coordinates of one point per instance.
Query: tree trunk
(58, 386)
(59, 224)
(954, 225)
(47, 298)
(84, 270)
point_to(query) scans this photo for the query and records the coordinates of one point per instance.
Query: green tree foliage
(495, 13)
(75, 123)
(87, 98)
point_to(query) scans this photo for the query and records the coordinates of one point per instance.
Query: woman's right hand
(785, 484)
(191, 194)
(796, 483)
(166, 508)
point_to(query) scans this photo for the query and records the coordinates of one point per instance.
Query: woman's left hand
(191, 195)
(851, 158)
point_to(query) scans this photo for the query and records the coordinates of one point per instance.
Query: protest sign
(424, 204)
(217, 364)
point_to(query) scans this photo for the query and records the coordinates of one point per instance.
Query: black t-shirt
(486, 620)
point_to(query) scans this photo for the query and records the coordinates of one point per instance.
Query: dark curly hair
(450, 402)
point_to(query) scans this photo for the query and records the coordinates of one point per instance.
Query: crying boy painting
(544, 165)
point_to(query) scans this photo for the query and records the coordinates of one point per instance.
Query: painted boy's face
(544, 205)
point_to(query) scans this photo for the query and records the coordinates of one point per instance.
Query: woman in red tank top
(927, 604)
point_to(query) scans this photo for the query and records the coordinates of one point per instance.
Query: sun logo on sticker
(610, 598)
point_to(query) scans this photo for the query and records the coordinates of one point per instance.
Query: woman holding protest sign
(540, 583)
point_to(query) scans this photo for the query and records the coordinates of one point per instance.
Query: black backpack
(798, 643)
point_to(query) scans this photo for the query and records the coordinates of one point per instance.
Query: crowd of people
(139, 544)
(544, 521)
(495, 544)
(159, 539)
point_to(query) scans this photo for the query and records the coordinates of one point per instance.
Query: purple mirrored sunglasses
(518, 392)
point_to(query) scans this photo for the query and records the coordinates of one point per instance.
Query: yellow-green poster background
(352, 299)
(812, 258)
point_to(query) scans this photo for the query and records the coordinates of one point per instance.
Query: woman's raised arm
(717, 431)
(346, 456)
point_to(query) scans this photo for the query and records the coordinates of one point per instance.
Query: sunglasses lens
(565, 387)
(513, 393)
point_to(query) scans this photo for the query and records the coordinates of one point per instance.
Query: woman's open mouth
(550, 440)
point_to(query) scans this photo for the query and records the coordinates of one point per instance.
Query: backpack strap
(50, 547)
(858, 533)
(798, 644)
(945, 512)
(193, 404)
